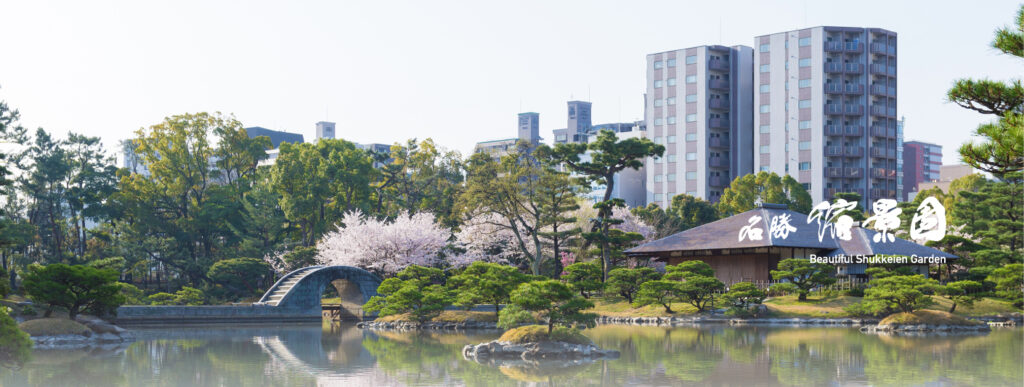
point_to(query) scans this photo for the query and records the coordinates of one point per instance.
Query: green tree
(583, 277)
(744, 192)
(608, 157)
(558, 197)
(994, 213)
(419, 177)
(1009, 282)
(699, 290)
(77, 288)
(744, 294)
(804, 274)
(241, 276)
(626, 282)
(185, 296)
(857, 213)
(553, 301)
(485, 282)
(905, 293)
(15, 345)
(1001, 149)
(693, 211)
(687, 269)
(664, 223)
(300, 257)
(659, 292)
(961, 293)
(5, 287)
(415, 290)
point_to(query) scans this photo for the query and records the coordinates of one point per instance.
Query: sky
(454, 71)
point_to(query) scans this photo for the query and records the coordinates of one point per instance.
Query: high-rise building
(826, 110)
(699, 106)
(324, 129)
(529, 127)
(901, 190)
(922, 162)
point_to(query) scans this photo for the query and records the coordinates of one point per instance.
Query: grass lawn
(818, 306)
(457, 316)
(617, 307)
(982, 307)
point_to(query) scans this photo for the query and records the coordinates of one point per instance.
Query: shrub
(583, 277)
(132, 295)
(688, 268)
(743, 294)
(27, 310)
(162, 298)
(804, 274)
(905, 293)
(116, 264)
(699, 290)
(658, 292)
(553, 301)
(185, 296)
(242, 277)
(1009, 283)
(854, 292)
(77, 288)
(513, 316)
(5, 285)
(626, 282)
(15, 345)
(484, 282)
(412, 291)
(962, 293)
(539, 333)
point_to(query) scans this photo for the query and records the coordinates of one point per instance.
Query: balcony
(843, 173)
(879, 172)
(716, 142)
(882, 131)
(833, 108)
(718, 84)
(853, 109)
(719, 103)
(718, 64)
(833, 88)
(891, 153)
(878, 48)
(890, 91)
(833, 67)
(833, 46)
(719, 123)
(854, 89)
(855, 68)
(834, 151)
(853, 47)
(834, 130)
(719, 181)
(853, 130)
(854, 173)
(854, 151)
(878, 193)
(883, 153)
(878, 90)
(891, 111)
(718, 162)
(877, 68)
(880, 111)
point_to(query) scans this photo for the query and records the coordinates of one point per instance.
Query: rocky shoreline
(100, 334)
(913, 329)
(428, 326)
(496, 352)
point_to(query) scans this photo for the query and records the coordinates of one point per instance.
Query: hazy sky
(457, 72)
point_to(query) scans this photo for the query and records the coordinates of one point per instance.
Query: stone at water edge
(539, 350)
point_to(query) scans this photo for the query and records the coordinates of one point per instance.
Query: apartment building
(922, 163)
(826, 109)
(527, 129)
(699, 106)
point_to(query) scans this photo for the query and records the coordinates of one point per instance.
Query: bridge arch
(301, 289)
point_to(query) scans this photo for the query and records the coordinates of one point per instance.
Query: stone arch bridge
(302, 288)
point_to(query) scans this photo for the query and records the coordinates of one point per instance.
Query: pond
(303, 355)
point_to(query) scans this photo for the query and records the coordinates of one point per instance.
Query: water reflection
(308, 355)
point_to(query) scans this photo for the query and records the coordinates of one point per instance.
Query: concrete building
(826, 109)
(325, 129)
(579, 128)
(922, 162)
(947, 173)
(276, 138)
(901, 190)
(527, 129)
(699, 106)
(630, 185)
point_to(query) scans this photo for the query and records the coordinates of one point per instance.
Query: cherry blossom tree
(484, 238)
(384, 247)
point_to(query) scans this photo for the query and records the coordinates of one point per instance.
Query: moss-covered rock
(54, 327)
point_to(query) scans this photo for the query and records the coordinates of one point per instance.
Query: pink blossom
(384, 247)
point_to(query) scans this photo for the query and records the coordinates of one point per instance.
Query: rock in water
(498, 350)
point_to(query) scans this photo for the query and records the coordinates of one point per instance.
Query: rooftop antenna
(720, 30)
(588, 93)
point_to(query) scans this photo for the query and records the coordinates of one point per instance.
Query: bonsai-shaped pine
(659, 292)
(626, 282)
(744, 294)
(802, 275)
(962, 293)
(552, 301)
(699, 284)
(77, 288)
(905, 293)
(15, 345)
(583, 277)
(1009, 282)
(416, 290)
(186, 296)
(485, 283)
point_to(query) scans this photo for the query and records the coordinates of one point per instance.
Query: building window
(691, 193)
(786, 147)
(658, 121)
(805, 124)
(657, 160)
(691, 156)
(672, 120)
(805, 62)
(691, 175)
(657, 178)
(672, 62)
(805, 42)
(671, 158)
(765, 88)
(657, 140)
(807, 186)
(657, 84)
(658, 64)
(691, 79)
(764, 68)
(804, 83)
(671, 139)
(671, 100)
(671, 177)
(671, 81)
(765, 149)
(765, 47)
(692, 117)
(691, 59)
(765, 108)
(805, 145)
(764, 168)
(766, 129)
(659, 197)
(691, 137)
(805, 103)
(691, 98)
(805, 166)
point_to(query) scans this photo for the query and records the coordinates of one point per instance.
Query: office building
(901, 190)
(826, 110)
(527, 129)
(922, 162)
(699, 106)
(947, 174)
(579, 127)
(325, 129)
